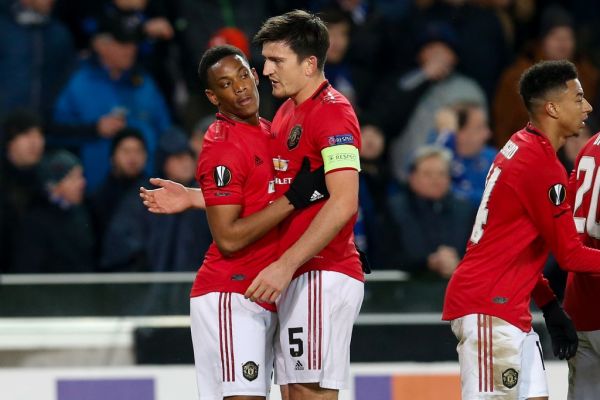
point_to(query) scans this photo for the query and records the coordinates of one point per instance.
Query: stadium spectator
(56, 233)
(22, 147)
(111, 92)
(337, 70)
(128, 157)
(136, 240)
(431, 224)
(406, 103)
(372, 229)
(471, 156)
(36, 57)
(556, 41)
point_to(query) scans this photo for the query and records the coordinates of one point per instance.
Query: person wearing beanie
(556, 41)
(56, 234)
(22, 147)
(128, 158)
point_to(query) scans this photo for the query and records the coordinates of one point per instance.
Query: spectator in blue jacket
(111, 92)
(36, 53)
(471, 155)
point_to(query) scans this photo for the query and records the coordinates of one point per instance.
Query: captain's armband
(340, 157)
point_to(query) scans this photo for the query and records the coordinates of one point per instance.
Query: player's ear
(552, 109)
(255, 74)
(310, 65)
(212, 97)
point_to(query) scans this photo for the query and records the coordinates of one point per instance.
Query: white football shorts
(498, 360)
(316, 315)
(233, 345)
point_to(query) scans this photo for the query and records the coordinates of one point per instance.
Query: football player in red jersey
(582, 293)
(232, 336)
(522, 216)
(318, 280)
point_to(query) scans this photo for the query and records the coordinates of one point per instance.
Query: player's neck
(309, 89)
(252, 120)
(551, 131)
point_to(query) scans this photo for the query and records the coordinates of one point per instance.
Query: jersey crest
(294, 137)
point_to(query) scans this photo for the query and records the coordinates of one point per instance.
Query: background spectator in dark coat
(128, 160)
(36, 56)
(22, 149)
(56, 234)
(432, 224)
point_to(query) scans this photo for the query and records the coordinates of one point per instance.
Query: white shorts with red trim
(233, 345)
(316, 315)
(498, 360)
(584, 368)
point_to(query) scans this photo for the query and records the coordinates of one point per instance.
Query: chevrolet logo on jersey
(557, 194)
(222, 175)
(280, 165)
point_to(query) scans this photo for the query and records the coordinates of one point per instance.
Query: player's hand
(170, 198)
(561, 330)
(269, 283)
(308, 187)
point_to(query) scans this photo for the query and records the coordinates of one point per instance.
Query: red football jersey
(522, 216)
(235, 168)
(325, 119)
(582, 294)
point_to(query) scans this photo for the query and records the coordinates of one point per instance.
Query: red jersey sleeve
(221, 173)
(336, 126)
(543, 195)
(542, 293)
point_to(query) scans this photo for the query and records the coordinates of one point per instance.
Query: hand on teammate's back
(308, 187)
(561, 330)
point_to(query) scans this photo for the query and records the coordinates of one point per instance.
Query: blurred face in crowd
(232, 88)
(180, 168)
(131, 4)
(117, 56)
(27, 148)
(438, 57)
(559, 43)
(129, 158)
(40, 6)
(197, 140)
(430, 178)
(471, 138)
(339, 38)
(372, 142)
(288, 74)
(71, 187)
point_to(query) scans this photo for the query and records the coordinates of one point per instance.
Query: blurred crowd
(97, 96)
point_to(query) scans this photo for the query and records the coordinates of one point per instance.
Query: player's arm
(544, 196)
(232, 233)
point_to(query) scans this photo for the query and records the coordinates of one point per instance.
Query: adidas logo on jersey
(316, 196)
(299, 366)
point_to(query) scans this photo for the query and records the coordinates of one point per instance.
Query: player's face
(233, 88)
(573, 109)
(283, 68)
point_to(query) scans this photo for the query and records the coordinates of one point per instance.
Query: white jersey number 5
(588, 225)
(482, 212)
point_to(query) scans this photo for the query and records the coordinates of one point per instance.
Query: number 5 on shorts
(299, 350)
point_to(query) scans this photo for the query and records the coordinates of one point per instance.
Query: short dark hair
(305, 33)
(17, 122)
(544, 77)
(213, 56)
(124, 134)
